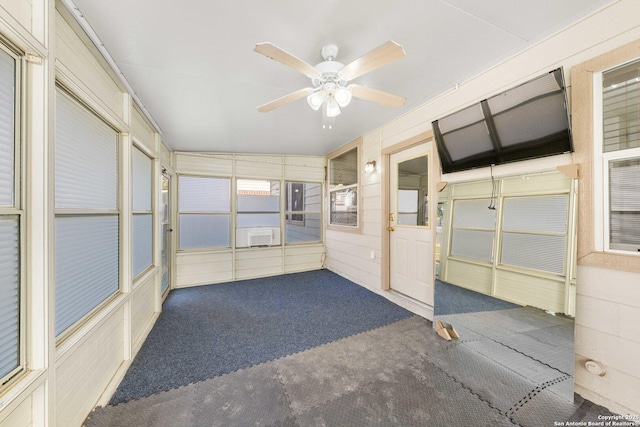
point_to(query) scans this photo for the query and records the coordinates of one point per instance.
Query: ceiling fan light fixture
(333, 109)
(315, 100)
(342, 96)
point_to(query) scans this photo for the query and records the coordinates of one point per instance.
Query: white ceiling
(193, 66)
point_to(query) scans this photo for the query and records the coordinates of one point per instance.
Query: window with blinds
(11, 357)
(142, 214)
(86, 216)
(343, 189)
(473, 229)
(204, 207)
(534, 232)
(621, 155)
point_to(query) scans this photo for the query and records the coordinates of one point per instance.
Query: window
(142, 218)
(343, 189)
(473, 229)
(203, 212)
(303, 212)
(620, 153)
(257, 213)
(534, 232)
(11, 216)
(87, 215)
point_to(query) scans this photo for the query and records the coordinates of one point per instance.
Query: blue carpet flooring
(212, 330)
(450, 299)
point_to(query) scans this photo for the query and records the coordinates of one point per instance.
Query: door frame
(385, 155)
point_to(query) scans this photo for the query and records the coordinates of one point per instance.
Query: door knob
(390, 228)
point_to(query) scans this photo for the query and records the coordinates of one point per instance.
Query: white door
(411, 226)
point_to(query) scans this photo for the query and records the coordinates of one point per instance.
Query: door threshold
(413, 305)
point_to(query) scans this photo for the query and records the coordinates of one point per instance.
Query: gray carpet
(401, 374)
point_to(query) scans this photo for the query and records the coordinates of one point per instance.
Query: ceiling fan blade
(293, 96)
(274, 52)
(378, 57)
(377, 96)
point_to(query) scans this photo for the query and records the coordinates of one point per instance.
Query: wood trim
(582, 96)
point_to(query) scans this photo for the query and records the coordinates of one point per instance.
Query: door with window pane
(165, 219)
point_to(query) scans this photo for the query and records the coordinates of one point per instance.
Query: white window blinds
(534, 232)
(87, 220)
(7, 128)
(142, 222)
(624, 205)
(473, 229)
(621, 107)
(204, 205)
(9, 294)
(10, 358)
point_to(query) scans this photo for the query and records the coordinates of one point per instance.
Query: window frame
(601, 162)
(150, 211)
(230, 213)
(62, 90)
(18, 208)
(287, 186)
(354, 145)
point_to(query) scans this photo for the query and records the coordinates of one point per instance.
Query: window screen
(142, 222)
(303, 214)
(624, 205)
(534, 232)
(203, 212)
(473, 229)
(87, 219)
(10, 224)
(343, 189)
(621, 107)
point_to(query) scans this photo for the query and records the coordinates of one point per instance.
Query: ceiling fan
(330, 79)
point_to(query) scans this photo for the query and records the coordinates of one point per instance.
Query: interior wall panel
(75, 56)
(259, 262)
(201, 268)
(142, 311)
(142, 130)
(83, 372)
(303, 258)
(218, 164)
(21, 416)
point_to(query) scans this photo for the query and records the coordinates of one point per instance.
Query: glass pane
(542, 214)
(166, 244)
(621, 107)
(246, 220)
(142, 242)
(413, 185)
(9, 294)
(302, 197)
(164, 200)
(474, 244)
(202, 194)
(87, 269)
(307, 229)
(545, 253)
(204, 231)
(165, 280)
(7, 128)
(473, 213)
(624, 204)
(258, 196)
(86, 158)
(344, 169)
(344, 207)
(141, 182)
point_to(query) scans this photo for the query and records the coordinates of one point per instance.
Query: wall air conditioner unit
(258, 236)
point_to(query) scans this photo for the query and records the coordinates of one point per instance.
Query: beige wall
(602, 32)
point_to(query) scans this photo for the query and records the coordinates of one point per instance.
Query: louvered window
(343, 189)
(87, 216)
(11, 355)
(621, 155)
(142, 221)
